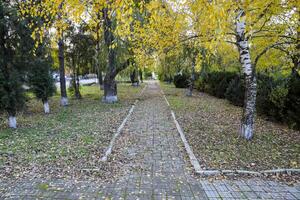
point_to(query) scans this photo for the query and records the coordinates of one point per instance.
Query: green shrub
(293, 102)
(200, 84)
(212, 81)
(222, 86)
(215, 83)
(235, 91)
(277, 98)
(181, 80)
(265, 84)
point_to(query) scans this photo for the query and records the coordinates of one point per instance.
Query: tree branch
(265, 51)
(228, 41)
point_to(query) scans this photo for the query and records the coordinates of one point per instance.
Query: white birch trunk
(46, 107)
(250, 79)
(12, 122)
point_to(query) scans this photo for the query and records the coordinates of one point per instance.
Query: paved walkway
(159, 170)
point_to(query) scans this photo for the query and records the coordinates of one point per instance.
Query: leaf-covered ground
(211, 126)
(69, 142)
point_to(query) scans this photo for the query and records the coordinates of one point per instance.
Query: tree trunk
(110, 90)
(247, 123)
(100, 79)
(296, 63)
(77, 84)
(46, 107)
(134, 77)
(98, 67)
(12, 122)
(191, 86)
(63, 89)
(110, 85)
(141, 75)
(137, 80)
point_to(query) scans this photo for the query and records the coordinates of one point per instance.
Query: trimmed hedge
(181, 80)
(292, 104)
(277, 99)
(215, 83)
(235, 91)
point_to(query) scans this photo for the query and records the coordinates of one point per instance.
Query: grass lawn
(69, 142)
(211, 126)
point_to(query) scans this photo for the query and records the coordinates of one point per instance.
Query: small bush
(181, 80)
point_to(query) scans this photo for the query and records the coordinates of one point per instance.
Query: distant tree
(81, 53)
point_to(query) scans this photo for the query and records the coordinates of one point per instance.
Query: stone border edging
(246, 172)
(187, 147)
(200, 171)
(117, 133)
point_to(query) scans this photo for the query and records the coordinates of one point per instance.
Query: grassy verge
(66, 142)
(211, 126)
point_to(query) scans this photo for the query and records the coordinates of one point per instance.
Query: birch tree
(249, 74)
(255, 21)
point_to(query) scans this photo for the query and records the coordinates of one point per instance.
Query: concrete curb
(246, 172)
(192, 157)
(117, 133)
(198, 170)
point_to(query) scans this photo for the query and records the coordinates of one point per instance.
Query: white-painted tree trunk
(46, 107)
(64, 101)
(250, 79)
(110, 99)
(12, 122)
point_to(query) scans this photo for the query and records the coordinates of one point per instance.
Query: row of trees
(169, 34)
(85, 34)
(240, 31)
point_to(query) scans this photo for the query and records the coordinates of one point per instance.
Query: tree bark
(100, 79)
(110, 85)
(12, 122)
(61, 58)
(77, 84)
(46, 107)
(141, 75)
(296, 65)
(192, 80)
(98, 67)
(247, 123)
(137, 79)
